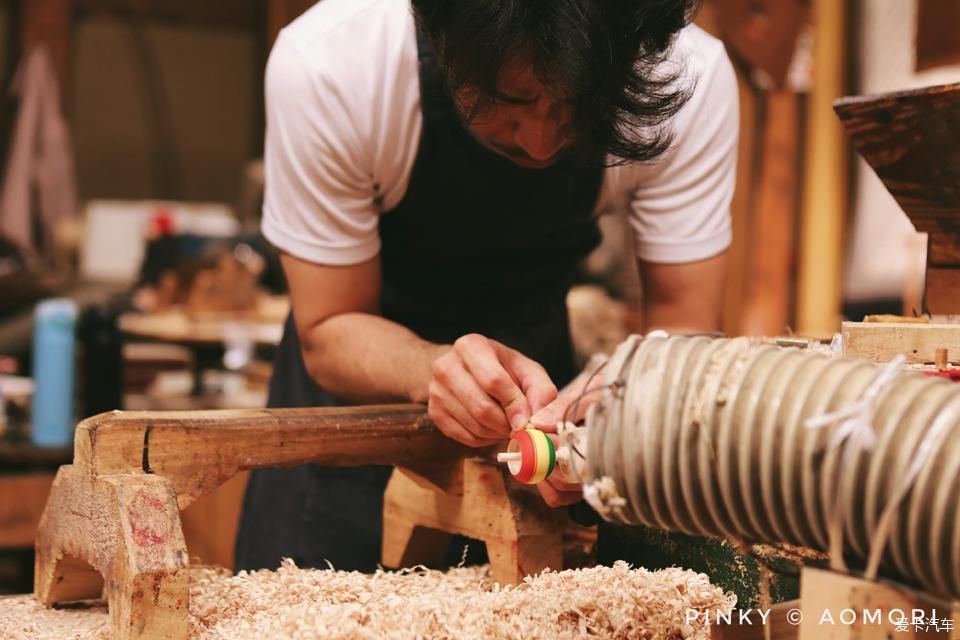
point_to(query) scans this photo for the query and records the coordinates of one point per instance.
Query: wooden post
(825, 178)
(768, 303)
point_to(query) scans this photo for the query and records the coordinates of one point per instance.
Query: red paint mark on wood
(146, 536)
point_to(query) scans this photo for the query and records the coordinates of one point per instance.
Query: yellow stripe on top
(542, 447)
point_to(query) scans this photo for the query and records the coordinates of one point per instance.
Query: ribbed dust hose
(761, 444)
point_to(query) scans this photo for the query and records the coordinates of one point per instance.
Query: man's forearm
(365, 358)
(684, 297)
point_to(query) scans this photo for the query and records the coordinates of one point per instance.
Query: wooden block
(120, 536)
(910, 139)
(882, 341)
(841, 607)
(780, 625)
(22, 499)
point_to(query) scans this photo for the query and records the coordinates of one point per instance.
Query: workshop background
(155, 109)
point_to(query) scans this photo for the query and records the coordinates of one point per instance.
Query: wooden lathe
(112, 524)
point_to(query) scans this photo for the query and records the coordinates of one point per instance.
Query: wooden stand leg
(523, 535)
(123, 532)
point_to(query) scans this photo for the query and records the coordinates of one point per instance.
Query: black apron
(477, 245)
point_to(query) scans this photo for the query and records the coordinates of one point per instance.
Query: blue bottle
(52, 416)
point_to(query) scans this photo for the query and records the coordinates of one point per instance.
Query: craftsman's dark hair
(604, 55)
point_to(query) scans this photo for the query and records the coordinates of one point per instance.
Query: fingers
(547, 418)
(530, 375)
(575, 396)
(473, 409)
(454, 429)
(482, 360)
(557, 493)
(483, 389)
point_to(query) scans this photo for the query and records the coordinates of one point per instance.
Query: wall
(879, 259)
(211, 81)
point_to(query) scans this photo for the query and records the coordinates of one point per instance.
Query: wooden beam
(221, 443)
(739, 277)
(769, 299)
(825, 178)
(882, 341)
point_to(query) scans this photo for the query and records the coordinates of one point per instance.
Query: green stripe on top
(553, 456)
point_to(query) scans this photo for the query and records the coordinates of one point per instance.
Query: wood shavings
(307, 604)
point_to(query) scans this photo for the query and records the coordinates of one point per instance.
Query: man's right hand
(480, 390)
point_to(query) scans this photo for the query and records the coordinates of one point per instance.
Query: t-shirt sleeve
(680, 210)
(318, 199)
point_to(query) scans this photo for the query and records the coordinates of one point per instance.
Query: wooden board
(849, 601)
(221, 443)
(779, 624)
(911, 139)
(882, 341)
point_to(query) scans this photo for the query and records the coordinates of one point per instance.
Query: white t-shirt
(344, 123)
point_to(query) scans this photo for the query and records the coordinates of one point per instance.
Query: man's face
(526, 124)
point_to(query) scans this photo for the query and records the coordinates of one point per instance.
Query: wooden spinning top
(530, 456)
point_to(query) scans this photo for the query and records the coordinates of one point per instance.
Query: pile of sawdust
(601, 602)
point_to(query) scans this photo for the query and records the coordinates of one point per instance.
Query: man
(433, 177)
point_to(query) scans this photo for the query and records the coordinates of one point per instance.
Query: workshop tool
(112, 522)
(759, 444)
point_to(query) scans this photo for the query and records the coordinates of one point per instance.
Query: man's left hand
(557, 493)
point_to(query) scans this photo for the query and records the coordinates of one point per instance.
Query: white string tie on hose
(856, 433)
